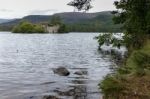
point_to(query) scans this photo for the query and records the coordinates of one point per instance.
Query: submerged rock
(77, 92)
(50, 97)
(81, 73)
(62, 71)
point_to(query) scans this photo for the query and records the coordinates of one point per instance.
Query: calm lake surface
(27, 60)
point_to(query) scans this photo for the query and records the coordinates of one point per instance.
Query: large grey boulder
(62, 71)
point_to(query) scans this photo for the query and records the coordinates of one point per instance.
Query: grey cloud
(5, 10)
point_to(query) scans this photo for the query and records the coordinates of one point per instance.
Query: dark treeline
(93, 27)
(82, 27)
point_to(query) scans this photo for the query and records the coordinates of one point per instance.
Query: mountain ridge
(5, 20)
(76, 21)
(75, 16)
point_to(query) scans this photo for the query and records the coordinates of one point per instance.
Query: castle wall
(51, 29)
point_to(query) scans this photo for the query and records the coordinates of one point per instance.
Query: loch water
(27, 62)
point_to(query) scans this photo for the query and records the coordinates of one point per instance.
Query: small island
(27, 27)
(54, 26)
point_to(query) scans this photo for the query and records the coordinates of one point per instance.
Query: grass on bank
(131, 81)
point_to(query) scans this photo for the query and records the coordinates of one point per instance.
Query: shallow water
(26, 62)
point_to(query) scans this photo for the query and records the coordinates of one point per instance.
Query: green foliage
(108, 38)
(128, 78)
(110, 86)
(27, 27)
(104, 39)
(134, 15)
(148, 22)
(139, 61)
(38, 29)
(63, 29)
(124, 70)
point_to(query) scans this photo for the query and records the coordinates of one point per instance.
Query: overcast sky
(20, 8)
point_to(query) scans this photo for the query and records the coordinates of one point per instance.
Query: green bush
(129, 77)
(124, 70)
(27, 27)
(111, 85)
(38, 29)
(63, 29)
(141, 61)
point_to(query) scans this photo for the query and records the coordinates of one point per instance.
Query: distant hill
(30, 18)
(67, 17)
(5, 20)
(76, 21)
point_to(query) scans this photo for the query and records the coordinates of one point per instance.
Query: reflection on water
(27, 60)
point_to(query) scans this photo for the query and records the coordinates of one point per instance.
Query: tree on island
(56, 20)
(27, 27)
